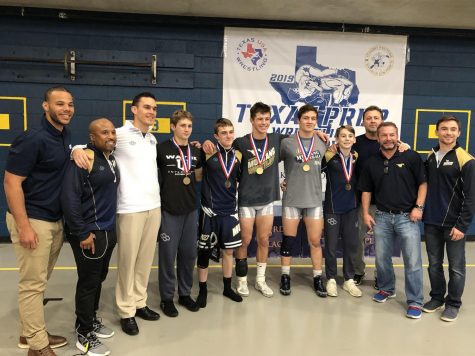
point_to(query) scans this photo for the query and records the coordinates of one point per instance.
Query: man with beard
(89, 202)
(33, 177)
(397, 181)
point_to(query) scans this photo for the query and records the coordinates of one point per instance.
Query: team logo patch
(448, 163)
(101, 168)
(332, 221)
(164, 237)
(379, 60)
(400, 165)
(251, 54)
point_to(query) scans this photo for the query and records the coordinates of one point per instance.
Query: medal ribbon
(186, 162)
(226, 171)
(306, 154)
(260, 159)
(347, 166)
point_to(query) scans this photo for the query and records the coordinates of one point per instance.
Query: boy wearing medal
(219, 223)
(302, 154)
(180, 169)
(341, 211)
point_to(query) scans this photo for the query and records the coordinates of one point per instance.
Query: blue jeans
(388, 227)
(436, 238)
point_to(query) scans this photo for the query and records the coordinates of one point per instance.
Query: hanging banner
(339, 73)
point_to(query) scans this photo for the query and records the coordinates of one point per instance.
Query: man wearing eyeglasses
(398, 182)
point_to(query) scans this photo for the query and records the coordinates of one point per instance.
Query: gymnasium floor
(301, 324)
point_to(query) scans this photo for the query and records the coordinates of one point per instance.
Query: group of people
(124, 188)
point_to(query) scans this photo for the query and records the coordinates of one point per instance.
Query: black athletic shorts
(222, 230)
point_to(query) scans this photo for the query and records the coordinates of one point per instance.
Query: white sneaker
(242, 288)
(351, 288)
(332, 291)
(262, 287)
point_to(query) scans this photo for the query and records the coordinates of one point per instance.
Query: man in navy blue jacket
(89, 203)
(450, 207)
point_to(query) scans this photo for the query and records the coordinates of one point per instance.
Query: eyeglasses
(386, 168)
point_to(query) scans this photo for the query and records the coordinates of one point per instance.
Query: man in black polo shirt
(397, 180)
(33, 176)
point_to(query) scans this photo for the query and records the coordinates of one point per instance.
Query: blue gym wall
(440, 76)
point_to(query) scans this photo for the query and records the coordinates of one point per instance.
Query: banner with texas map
(339, 73)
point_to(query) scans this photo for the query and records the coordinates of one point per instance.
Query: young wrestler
(341, 210)
(180, 169)
(302, 154)
(219, 223)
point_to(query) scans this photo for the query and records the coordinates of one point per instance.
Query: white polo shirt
(136, 157)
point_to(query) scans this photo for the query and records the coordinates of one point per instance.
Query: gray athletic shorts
(289, 212)
(253, 211)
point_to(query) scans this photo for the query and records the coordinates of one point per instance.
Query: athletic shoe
(285, 284)
(332, 290)
(351, 288)
(188, 303)
(382, 296)
(414, 312)
(432, 306)
(90, 345)
(168, 308)
(450, 313)
(262, 287)
(319, 287)
(101, 330)
(358, 278)
(55, 341)
(242, 288)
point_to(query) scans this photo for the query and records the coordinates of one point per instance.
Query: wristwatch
(420, 207)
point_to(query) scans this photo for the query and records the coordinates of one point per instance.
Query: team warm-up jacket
(450, 198)
(89, 197)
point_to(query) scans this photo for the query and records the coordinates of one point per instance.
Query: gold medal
(259, 170)
(227, 183)
(186, 180)
(348, 186)
(306, 167)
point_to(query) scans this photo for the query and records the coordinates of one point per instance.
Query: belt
(395, 212)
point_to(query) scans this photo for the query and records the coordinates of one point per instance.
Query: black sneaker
(168, 308)
(319, 287)
(285, 284)
(432, 306)
(358, 278)
(188, 303)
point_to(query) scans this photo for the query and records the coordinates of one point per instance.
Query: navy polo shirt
(394, 182)
(40, 155)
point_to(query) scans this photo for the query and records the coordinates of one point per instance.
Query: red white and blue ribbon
(305, 153)
(260, 158)
(185, 160)
(224, 166)
(347, 166)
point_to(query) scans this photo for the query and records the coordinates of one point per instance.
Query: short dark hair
(345, 127)
(145, 94)
(259, 107)
(387, 124)
(52, 89)
(306, 108)
(373, 108)
(180, 115)
(446, 118)
(222, 123)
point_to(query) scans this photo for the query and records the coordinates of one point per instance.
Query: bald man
(89, 203)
